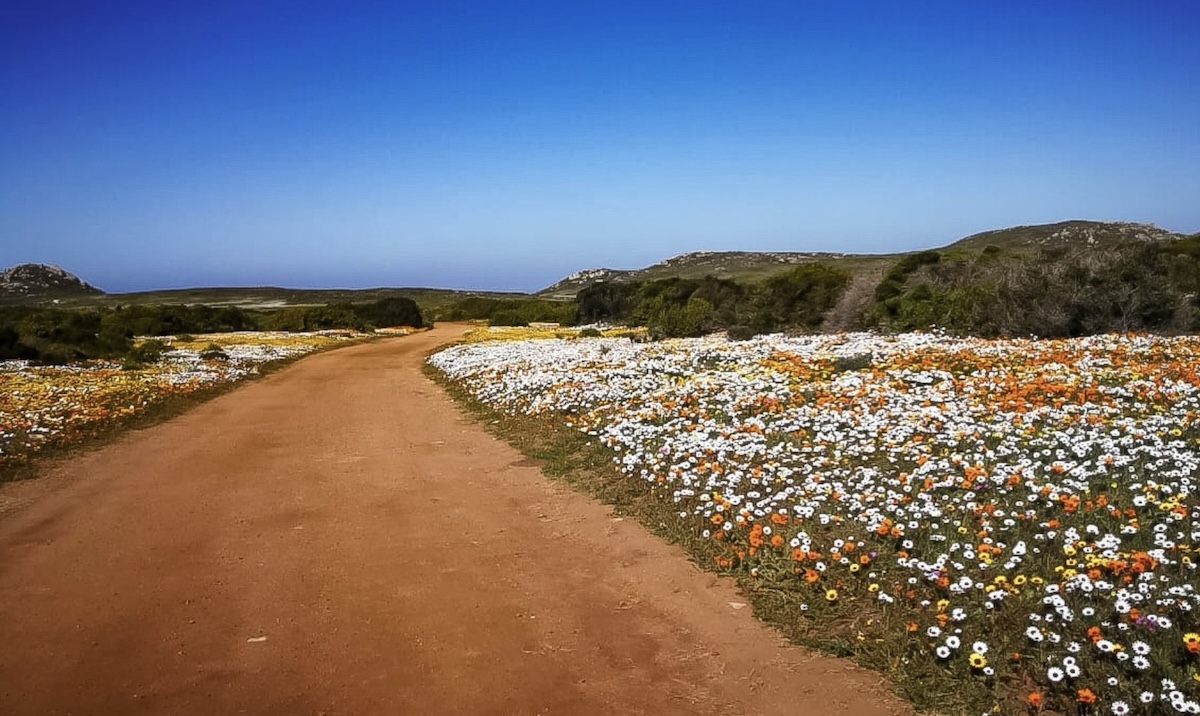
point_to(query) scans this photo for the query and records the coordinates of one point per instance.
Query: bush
(671, 320)
(739, 333)
(144, 354)
(591, 333)
(799, 298)
(214, 352)
(856, 362)
(390, 312)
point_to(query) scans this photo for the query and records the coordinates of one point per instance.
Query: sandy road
(338, 539)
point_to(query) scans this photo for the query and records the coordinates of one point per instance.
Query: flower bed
(1017, 517)
(45, 406)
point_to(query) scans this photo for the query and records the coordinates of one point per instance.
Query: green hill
(1066, 234)
(750, 266)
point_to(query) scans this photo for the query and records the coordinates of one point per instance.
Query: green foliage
(510, 311)
(739, 333)
(214, 352)
(169, 320)
(590, 333)
(314, 318)
(55, 335)
(955, 308)
(1055, 292)
(893, 281)
(605, 301)
(144, 354)
(11, 346)
(670, 320)
(852, 363)
(390, 312)
(798, 299)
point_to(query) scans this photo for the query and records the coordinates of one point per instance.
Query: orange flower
(1035, 699)
(1085, 696)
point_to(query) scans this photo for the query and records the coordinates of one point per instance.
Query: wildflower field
(45, 407)
(1007, 526)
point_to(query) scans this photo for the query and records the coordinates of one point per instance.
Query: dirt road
(338, 539)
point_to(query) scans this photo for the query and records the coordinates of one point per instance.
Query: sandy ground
(339, 539)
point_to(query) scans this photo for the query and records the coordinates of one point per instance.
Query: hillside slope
(1066, 234)
(739, 265)
(41, 282)
(756, 265)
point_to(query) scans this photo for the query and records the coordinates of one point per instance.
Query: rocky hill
(755, 265)
(25, 282)
(744, 265)
(1067, 234)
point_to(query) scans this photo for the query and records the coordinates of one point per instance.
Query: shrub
(144, 354)
(214, 352)
(390, 312)
(858, 361)
(739, 333)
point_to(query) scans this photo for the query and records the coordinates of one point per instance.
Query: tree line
(1052, 292)
(56, 335)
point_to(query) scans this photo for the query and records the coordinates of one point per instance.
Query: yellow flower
(976, 660)
(831, 595)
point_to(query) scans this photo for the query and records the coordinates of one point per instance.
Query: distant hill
(44, 285)
(1066, 234)
(742, 265)
(25, 282)
(755, 265)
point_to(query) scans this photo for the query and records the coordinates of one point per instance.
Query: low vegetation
(1051, 292)
(508, 311)
(678, 307)
(60, 336)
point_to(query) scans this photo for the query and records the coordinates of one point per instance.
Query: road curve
(338, 538)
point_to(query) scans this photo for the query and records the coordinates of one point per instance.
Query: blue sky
(502, 145)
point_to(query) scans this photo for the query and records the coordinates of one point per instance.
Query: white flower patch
(1055, 477)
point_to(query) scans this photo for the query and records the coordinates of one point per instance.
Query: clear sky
(502, 145)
